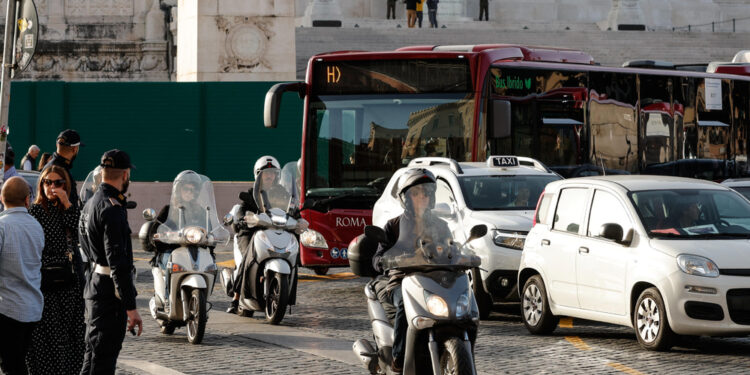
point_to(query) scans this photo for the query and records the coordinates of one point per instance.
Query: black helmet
(414, 177)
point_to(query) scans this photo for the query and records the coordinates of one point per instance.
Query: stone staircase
(609, 48)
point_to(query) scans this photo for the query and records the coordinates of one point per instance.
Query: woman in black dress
(57, 343)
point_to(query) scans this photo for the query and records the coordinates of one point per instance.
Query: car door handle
(545, 242)
(583, 250)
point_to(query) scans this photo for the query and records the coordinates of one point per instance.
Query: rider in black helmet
(416, 192)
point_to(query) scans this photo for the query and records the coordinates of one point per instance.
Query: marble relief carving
(245, 44)
(99, 7)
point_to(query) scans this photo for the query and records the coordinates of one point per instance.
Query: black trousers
(14, 345)
(483, 6)
(106, 321)
(391, 10)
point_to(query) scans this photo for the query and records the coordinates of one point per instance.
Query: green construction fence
(214, 128)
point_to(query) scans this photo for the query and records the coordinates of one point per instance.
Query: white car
(741, 185)
(501, 194)
(663, 255)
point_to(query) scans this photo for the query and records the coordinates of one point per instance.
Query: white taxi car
(501, 194)
(663, 255)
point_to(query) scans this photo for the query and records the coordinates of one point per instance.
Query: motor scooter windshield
(90, 185)
(425, 240)
(192, 217)
(275, 188)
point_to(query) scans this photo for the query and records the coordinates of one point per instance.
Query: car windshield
(693, 213)
(743, 190)
(356, 142)
(506, 192)
(426, 242)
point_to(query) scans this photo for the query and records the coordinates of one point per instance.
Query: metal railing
(713, 25)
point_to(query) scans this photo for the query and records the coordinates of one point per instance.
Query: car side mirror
(228, 219)
(442, 210)
(149, 214)
(478, 231)
(375, 233)
(611, 231)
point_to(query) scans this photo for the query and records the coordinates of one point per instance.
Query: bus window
(613, 121)
(656, 119)
(714, 119)
(741, 114)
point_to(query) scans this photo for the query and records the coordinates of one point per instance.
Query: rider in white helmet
(245, 234)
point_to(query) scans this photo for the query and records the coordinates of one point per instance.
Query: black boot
(233, 307)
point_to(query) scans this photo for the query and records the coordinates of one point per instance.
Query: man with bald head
(21, 300)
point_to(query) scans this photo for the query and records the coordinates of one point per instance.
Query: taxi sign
(502, 161)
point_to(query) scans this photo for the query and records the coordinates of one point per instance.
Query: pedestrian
(432, 12)
(411, 12)
(21, 300)
(390, 12)
(57, 341)
(9, 168)
(419, 12)
(43, 160)
(109, 293)
(28, 163)
(483, 6)
(68, 143)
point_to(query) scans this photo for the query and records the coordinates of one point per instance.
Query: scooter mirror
(477, 231)
(149, 214)
(228, 219)
(375, 233)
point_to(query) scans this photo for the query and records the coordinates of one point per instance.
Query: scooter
(186, 271)
(269, 263)
(441, 311)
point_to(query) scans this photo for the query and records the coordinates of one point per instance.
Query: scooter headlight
(313, 238)
(462, 305)
(436, 305)
(194, 235)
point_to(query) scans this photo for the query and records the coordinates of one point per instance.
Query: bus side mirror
(273, 100)
(500, 118)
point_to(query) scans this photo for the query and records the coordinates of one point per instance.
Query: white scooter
(441, 311)
(186, 270)
(269, 264)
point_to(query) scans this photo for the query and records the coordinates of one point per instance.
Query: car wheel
(651, 323)
(484, 301)
(535, 310)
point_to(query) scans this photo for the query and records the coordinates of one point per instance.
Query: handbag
(58, 276)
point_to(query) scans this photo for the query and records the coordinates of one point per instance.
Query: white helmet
(264, 162)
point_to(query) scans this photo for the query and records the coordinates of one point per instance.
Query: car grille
(738, 301)
(735, 272)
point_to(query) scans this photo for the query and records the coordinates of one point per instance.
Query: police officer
(110, 293)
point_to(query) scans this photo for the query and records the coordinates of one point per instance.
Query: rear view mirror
(149, 214)
(478, 231)
(611, 232)
(273, 100)
(375, 233)
(228, 219)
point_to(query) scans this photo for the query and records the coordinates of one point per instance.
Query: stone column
(235, 40)
(155, 43)
(625, 14)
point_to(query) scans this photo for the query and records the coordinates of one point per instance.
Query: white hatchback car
(741, 185)
(663, 255)
(501, 194)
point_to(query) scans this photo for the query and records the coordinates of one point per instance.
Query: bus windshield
(356, 142)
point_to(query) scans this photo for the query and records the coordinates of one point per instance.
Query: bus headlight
(194, 235)
(509, 239)
(313, 238)
(435, 304)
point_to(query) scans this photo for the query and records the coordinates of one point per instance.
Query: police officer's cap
(69, 137)
(116, 159)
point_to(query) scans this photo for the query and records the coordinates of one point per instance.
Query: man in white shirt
(29, 160)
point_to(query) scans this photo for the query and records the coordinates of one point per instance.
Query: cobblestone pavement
(333, 307)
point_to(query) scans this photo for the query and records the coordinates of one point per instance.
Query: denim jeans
(399, 327)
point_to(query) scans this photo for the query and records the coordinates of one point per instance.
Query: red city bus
(369, 113)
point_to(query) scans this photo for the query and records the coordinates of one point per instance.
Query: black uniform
(105, 237)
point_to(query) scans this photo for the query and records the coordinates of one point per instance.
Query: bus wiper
(316, 204)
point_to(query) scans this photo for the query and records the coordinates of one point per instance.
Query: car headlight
(462, 305)
(435, 304)
(509, 239)
(313, 238)
(194, 235)
(697, 265)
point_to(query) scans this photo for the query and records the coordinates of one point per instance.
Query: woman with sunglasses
(57, 343)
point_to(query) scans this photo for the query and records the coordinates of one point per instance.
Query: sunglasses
(57, 183)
